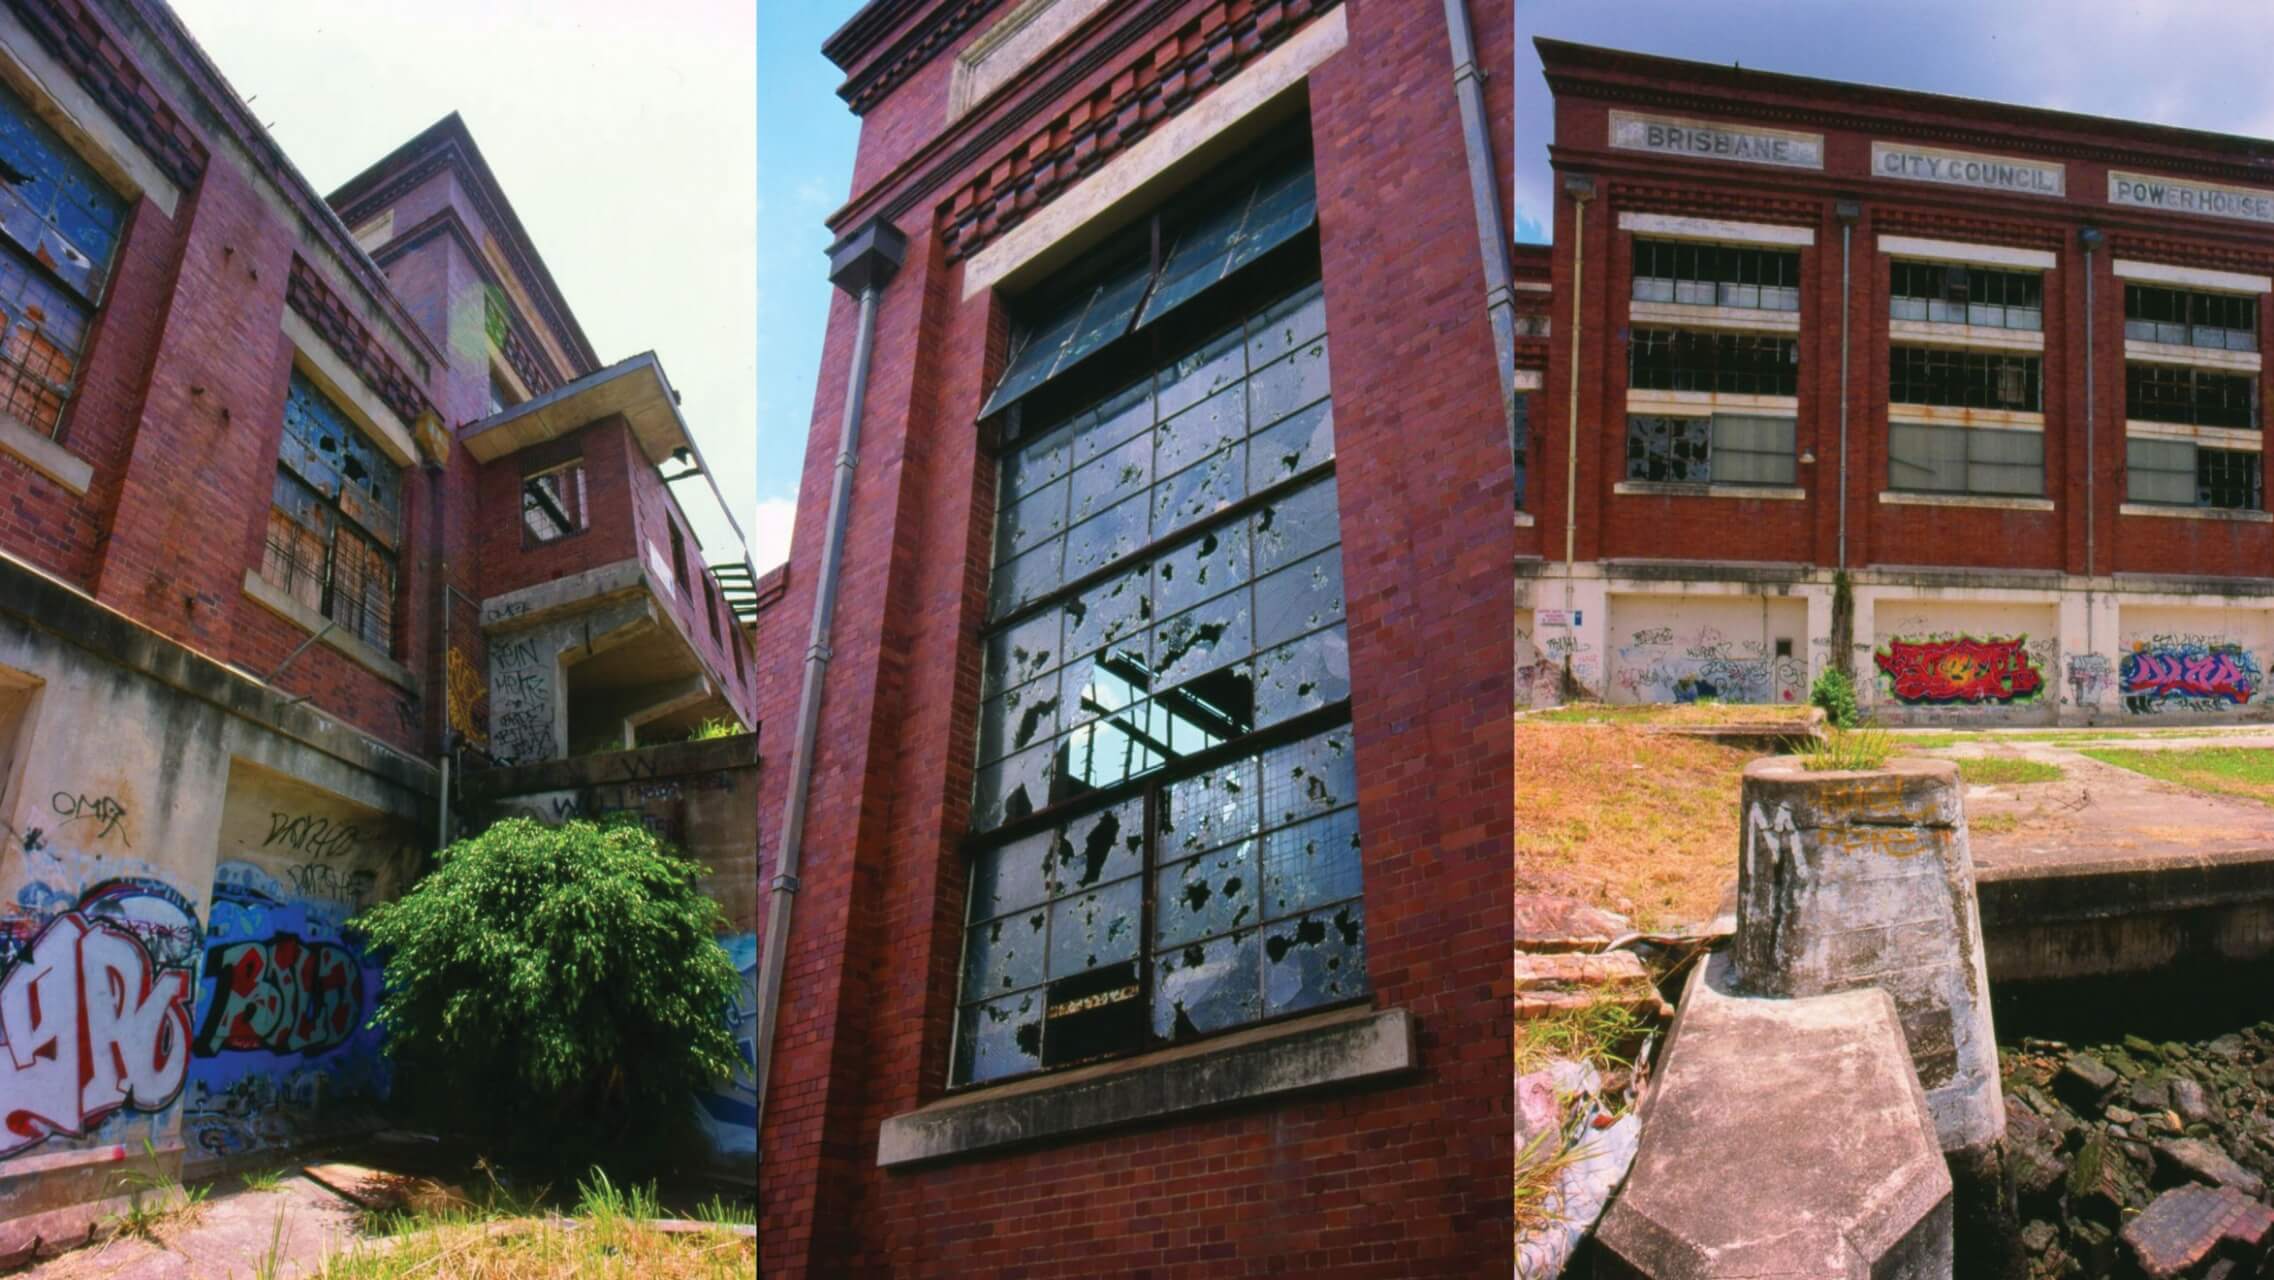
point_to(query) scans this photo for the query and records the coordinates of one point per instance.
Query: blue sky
(2199, 65)
(806, 137)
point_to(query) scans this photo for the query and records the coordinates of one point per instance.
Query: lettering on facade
(1747, 144)
(1968, 169)
(2185, 195)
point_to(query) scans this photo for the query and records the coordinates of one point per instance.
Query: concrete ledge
(45, 456)
(1639, 570)
(2202, 357)
(269, 596)
(1903, 498)
(658, 763)
(580, 590)
(1683, 489)
(2195, 513)
(2125, 914)
(1338, 1048)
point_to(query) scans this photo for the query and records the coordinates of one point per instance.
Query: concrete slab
(231, 1234)
(1817, 1159)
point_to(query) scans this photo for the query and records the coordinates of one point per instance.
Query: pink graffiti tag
(90, 1028)
(2222, 674)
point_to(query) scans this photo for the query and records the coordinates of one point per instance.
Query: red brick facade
(1405, 1177)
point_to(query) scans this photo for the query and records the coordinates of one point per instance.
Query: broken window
(59, 225)
(1963, 379)
(1716, 275)
(1166, 840)
(1948, 293)
(552, 504)
(2184, 474)
(1955, 459)
(501, 395)
(336, 517)
(2191, 318)
(2199, 397)
(1725, 448)
(1748, 364)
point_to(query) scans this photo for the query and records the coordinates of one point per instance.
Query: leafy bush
(557, 987)
(1834, 692)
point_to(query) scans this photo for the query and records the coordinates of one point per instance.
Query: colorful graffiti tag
(1960, 669)
(94, 1010)
(2188, 674)
(1704, 665)
(728, 1110)
(282, 1052)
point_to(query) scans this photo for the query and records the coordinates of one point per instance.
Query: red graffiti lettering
(1960, 670)
(283, 995)
(90, 1028)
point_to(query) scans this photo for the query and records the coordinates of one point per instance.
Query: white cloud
(770, 532)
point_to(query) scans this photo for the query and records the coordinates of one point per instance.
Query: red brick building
(1145, 618)
(1965, 398)
(308, 505)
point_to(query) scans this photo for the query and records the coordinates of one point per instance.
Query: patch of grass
(167, 1197)
(263, 1179)
(1604, 1034)
(1937, 739)
(1846, 750)
(1995, 771)
(714, 728)
(1682, 713)
(2244, 772)
(1642, 823)
(1994, 824)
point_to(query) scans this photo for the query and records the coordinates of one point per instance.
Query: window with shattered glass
(336, 518)
(1165, 827)
(2191, 318)
(1964, 379)
(1950, 293)
(2197, 397)
(552, 504)
(59, 226)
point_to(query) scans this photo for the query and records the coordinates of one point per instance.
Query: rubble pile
(2143, 1158)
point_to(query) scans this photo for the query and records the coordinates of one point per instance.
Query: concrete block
(1816, 1158)
(1850, 880)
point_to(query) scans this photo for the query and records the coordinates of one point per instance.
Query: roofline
(1566, 55)
(450, 136)
(868, 27)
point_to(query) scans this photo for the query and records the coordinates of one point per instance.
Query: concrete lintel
(1338, 1048)
(1695, 316)
(1904, 498)
(1968, 252)
(1679, 227)
(676, 696)
(2192, 277)
(528, 606)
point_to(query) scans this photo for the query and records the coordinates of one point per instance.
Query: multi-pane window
(2198, 397)
(1972, 460)
(552, 503)
(334, 526)
(1695, 360)
(1725, 448)
(1946, 293)
(2184, 474)
(2188, 318)
(1963, 379)
(59, 224)
(1716, 275)
(1166, 840)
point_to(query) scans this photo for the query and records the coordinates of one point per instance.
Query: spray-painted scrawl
(1960, 669)
(2188, 673)
(94, 1008)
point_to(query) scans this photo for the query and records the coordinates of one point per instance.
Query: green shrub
(557, 987)
(1837, 695)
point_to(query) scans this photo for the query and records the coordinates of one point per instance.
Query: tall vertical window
(1166, 839)
(338, 511)
(59, 225)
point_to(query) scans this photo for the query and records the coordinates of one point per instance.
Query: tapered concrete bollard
(1854, 880)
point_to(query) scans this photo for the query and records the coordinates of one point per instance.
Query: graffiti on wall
(728, 1110)
(521, 700)
(1661, 665)
(1936, 671)
(94, 1006)
(2088, 678)
(467, 693)
(2188, 673)
(282, 1050)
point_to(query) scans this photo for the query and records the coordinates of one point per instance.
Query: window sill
(45, 456)
(1644, 400)
(2200, 357)
(1525, 520)
(1902, 498)
(2249, 439)
(1942, 333)
(1335, 1048)
(1692, 315)
(1681, 489)
(1943, 415)
(269, 597)
(2195, 513)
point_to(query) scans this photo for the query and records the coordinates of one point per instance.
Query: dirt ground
(230, 1235)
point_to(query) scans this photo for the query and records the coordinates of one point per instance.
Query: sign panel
(1968, 169)
(2187, 195)
(1711, 140)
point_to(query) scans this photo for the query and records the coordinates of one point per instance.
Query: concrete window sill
(1665, 488)
(269, 597)
(1899, 498)
(2195, 513)
(45, 456)
(1942, 333)
(1335, 1048)
(1525, 520)
(2201, 357)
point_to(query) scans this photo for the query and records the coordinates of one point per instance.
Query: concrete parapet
(1817, 1159)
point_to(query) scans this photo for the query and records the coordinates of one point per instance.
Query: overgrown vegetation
(263, 1179)
(557, 990)
(2245, 772)
(1836, 694)
(153, 1196)
(1845, 750)
(714, 727)
(1604, 1035)
(1998, 771)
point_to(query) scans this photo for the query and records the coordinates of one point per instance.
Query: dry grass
(612, 1234)
(1994, 824)
(1642, 823)
(1682, 714)
(1999, 771)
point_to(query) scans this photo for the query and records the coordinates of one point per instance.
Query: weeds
(1845, 750)
(1993, 771)
(263, 1179)
(714, 727)
(1604, 1034)
(270, 1264)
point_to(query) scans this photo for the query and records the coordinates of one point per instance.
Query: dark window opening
(2181, 473)
(1726, 448)
(501, 394)
(1716, 275)
(678, 554)
(552, 504)
(1734, 363)
(1946, 293)
(2198, 397)
(2189, 318)
(1963, 379)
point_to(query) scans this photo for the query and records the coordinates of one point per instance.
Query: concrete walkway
(230, 1236)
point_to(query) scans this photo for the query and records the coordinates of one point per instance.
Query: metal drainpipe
(1847, 211)
(2089, 237)
(860, 264)
(1492, 236)
(1581, 190)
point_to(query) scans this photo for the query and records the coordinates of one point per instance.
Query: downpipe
(1581, 190)
(1492, 234)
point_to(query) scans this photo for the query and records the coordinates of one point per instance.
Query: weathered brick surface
(1406, 1179)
